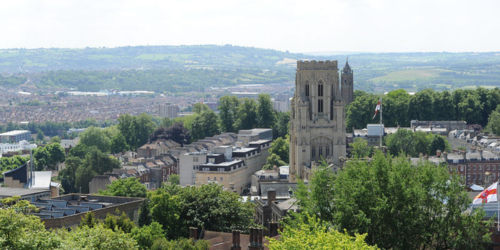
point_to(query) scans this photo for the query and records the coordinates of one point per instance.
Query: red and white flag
(487, 195)
(376, 109)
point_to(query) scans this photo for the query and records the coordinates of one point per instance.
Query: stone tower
(317, 119)
(347, 83)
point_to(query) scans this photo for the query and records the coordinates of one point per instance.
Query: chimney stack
(236, 240)
(273, 228)
(256, 235)
(271, 196)
(193, 233)
(438, 153)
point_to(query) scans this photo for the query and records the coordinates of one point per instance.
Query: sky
(293, 25)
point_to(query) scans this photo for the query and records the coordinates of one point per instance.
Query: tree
(40, 136)
(67, 175)
(228, 109)
(89, 220)
(273, 160)
(100, 162)
(315, 234)
(143, 126)
(281, 148)
(494, 122)
(147, 235)
(128, 187)
(166, 210)
(122, 222)
(437, 143)
(282, 126)
(125, 125)
(97, 237)
(265, 113)
(83, 176)
(144, 214)
(55, 139)
(42, 158)
(363, 197)
(360, 148)
(177, 133)
(401, 141)
(118, 143)
(56, 154)
(23, 231)
(175, 179)
(247, 115)
(200, 107)
(94, 136)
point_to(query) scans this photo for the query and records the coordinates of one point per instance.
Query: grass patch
(406, 75)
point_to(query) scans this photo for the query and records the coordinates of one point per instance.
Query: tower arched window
(327, 150)
(307, 89)
(320, 89)
(313, 151)
(320, 106)
(320, 153)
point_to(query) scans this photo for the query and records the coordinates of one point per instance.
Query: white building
(13, 147)
(15, 136)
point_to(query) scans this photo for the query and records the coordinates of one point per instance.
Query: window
(320, 151)
(320, 89)
(195, 159)
(468, 168)
(313, 151)
(327, 150)
(468, 176)
(493, 167)
(206, 169)
(487, 167)
(221, 179)
(220, 169)
(208, 178)
(474, 167)
(320, 106)
(462, 168)
(480, 167)
(479, 176)
(307, 89)
(473, 176)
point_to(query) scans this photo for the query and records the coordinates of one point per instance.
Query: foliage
(182, 243)
(42, 158)
(147, 235)
(205, 124)
(175, 179)
(493, 125)
(89, 220)
(136, 129)
(144, 214)
(40, 136)
(363, 197)
(97, 237)
(360, 148)
(128, 187)
(247, 114)
(94, 136)
(9, 163)
(56, 154)
(207, 206)
(68, 174)
(282, 126)
(20, 231)
(273, 160)
(122, 222)
(17, 205)
(84, 174)
(265, 113)
(228, 109)
(177, 133)
(281, 147)
(315, 234)
(118, 144)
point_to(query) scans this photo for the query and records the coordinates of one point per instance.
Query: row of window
(480, 168)
(215, 178)
(320, 151)
(479, 176)
(320, 89)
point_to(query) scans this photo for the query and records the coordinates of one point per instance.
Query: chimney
(256, 235)
(193, 233)
(271, 196)
(273, 228)
(236, 240)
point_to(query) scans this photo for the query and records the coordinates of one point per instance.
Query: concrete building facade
(167, 110)
(317, 118)
(15, 136)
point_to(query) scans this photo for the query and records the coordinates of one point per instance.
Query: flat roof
(8, 191)
(14, 132)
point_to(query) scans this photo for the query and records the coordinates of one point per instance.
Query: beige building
(233, 169)
(317, 118)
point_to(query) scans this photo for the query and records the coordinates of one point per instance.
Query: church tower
(317, 118)
(347, 83)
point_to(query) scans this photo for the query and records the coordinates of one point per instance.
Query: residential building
(168, 110)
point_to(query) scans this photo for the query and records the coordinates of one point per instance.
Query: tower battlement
(317, 65)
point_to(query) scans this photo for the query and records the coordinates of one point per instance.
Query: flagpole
(381, 128)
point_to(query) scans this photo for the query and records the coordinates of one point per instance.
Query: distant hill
(179, 68)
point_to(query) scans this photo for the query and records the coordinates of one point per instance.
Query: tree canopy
(128, 187)
(398, 205)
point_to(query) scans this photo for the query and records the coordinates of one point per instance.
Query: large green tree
(128, 187)
(228, 110)
(265, 113)
(94, 136)
(399, 206)
(247, 114)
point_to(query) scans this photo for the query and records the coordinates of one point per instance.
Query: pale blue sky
(298, 26)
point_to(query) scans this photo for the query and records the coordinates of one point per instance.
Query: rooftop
(14, 132)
